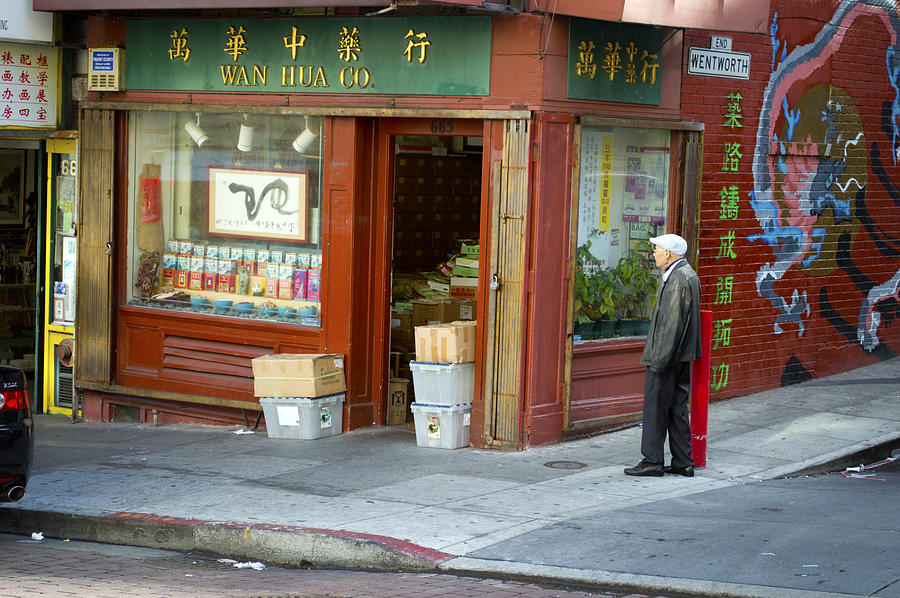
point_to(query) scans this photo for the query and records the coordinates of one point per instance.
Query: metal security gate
(505, 306)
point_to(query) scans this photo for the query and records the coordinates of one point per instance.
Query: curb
(623, 581)
(275, 544)
(865, 451)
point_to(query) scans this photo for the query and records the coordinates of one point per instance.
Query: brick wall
(821, 230)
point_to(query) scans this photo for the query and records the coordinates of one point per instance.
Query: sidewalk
(373, 499)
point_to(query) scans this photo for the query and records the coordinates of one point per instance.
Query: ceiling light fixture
(197, 134)
(305, 139)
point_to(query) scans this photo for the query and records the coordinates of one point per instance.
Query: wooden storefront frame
(619, 358)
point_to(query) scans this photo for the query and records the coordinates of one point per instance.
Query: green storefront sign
(614, 62)
(401, 55)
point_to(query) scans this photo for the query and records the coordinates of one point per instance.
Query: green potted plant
(639, 279)
(594, 294)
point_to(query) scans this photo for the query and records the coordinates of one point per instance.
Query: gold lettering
(362, 77)
(287, 73)
(320, 76)
(308, 81)
(259, 74)
(242, 77)
(228, 72)
(347, 69)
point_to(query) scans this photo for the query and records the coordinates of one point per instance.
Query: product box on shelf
(272, 288)
(453, 342)
(298, 375)
(443, 383)
(226, 283)
(442, 426)
(285, 289)
(303, 418)
(313, 280)
(299, 284)
(463, 288)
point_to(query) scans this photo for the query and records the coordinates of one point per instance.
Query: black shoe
(687, 472)
(645, 469)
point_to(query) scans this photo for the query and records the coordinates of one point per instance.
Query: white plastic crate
(442, 426)
(443, 383)
(303, 418)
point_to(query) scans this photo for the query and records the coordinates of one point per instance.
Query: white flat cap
(673, 243)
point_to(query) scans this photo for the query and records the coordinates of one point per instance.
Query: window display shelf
(293, 311)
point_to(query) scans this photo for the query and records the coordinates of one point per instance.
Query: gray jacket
(674, 335)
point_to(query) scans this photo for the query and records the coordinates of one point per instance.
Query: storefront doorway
(20, 205)
(435, 219)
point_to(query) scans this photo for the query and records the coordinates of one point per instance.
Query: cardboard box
(401, 328)
(433, 312)
(398, 390)
(298, 375)
(446, 343)
(463, 288)
(468, 310)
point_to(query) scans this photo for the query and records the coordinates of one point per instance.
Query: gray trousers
(666, 394)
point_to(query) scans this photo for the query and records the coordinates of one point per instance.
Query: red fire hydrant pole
(700, 392)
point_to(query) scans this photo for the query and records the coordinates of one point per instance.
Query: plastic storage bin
(442, 426)
(303, 418)
(443, 383)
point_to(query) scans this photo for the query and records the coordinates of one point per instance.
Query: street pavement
(372, 499)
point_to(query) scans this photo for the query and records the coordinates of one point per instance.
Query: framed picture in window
(12, 186)
(258, 204)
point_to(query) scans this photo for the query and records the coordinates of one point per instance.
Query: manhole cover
(565, 464)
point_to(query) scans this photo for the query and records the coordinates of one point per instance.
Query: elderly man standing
(672, 343)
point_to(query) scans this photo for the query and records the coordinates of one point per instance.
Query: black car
(16, 434)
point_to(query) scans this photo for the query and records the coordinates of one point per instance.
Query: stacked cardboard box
(298, 375)
(444, 383)
(301, 394)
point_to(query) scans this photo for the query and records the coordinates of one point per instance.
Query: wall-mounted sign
(28, 86)
(397, 55)
(19, 21)
(614, 62)
(719, 63)
(720, 42)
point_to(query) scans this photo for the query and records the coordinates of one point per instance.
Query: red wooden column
(700, 392)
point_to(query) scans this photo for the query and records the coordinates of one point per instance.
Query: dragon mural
(814, 168)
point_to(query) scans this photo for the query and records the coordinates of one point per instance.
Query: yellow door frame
(53, 333)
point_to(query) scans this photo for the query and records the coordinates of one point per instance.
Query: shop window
(623, 190)
(224, 215)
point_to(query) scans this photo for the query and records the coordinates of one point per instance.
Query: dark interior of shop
(437, 210)
(19, 213)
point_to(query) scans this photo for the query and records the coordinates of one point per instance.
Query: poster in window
(258, 204)
(646, 183)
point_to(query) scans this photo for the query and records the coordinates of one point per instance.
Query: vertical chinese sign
(729, 199)
(29, 81)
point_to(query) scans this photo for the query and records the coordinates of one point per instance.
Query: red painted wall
(813, 254)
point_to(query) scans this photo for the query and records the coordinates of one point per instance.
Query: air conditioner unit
(106, 69)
